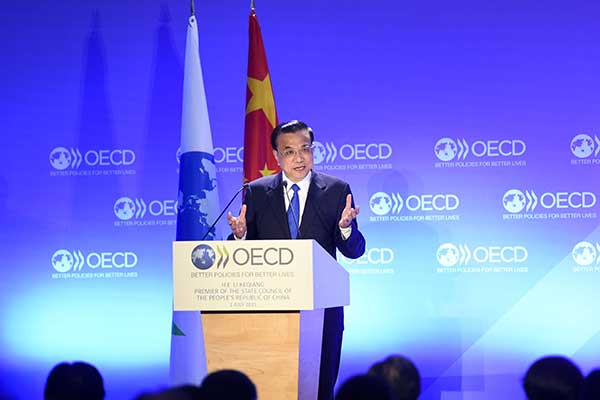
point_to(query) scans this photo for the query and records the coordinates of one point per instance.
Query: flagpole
(252, 5)
(192, 10)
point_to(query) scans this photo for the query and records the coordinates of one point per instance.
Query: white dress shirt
(304, 184)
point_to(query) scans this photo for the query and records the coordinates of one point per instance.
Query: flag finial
(252, 5)
(192, 8)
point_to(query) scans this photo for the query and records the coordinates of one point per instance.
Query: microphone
(296, 219)
(244, 186)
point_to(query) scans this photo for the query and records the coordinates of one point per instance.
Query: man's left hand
(349, 213)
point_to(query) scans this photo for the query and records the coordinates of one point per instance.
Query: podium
(262, 304)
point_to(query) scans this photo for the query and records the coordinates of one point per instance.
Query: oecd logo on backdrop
(138, 212)
(64, 261)
(586, 148)
(587, 257)
(351, 156)
(448, 255)
(481, 258)
(585, 253)
(77, 265)
(72, 162)
(446, 149)
(514, 201)
(394, 207)
(552, 205)
(375, 261)
(381, 203)
(459, 153)
(61, 158)
(227, 159)
(582, 146)
(372, 256)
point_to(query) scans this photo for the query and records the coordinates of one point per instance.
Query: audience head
(184, 392)
(401, 375)
(228, 384)
(591, 386)
(364, 387)
(76, 381)
(552, 378)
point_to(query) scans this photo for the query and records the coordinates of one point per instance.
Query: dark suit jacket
(266, 216)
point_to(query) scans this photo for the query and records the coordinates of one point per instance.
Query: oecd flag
(198, 206)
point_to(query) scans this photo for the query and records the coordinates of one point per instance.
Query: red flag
(261, 115)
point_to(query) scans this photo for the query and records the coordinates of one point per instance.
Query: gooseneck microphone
(244, 186)
(296, 219)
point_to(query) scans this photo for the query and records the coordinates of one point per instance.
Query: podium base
(279, 351)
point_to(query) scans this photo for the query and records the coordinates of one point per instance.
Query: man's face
(294, 154)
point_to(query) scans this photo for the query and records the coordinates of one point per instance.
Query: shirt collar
(304, 184)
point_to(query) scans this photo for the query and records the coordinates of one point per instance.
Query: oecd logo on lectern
(205, 256)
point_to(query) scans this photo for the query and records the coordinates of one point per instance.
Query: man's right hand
(238, 224)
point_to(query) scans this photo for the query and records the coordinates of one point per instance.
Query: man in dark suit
(299, 203)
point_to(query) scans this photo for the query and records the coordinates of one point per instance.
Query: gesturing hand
(349, 213)
(238, 224)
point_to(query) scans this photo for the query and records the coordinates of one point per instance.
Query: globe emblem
(380, 203)
(62, 261)
(445, 149)
(513, 201)
(584, 253)
(447, 255)
(60, 158)
(203, 256)
(124, 208)
(319, 153)
(582, 146)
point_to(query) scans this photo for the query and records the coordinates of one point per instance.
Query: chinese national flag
(261, 116)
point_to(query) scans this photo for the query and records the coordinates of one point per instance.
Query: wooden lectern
(262, 305)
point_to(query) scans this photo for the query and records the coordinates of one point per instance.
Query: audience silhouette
(401, 375)
(364, 387)
(590, 389)
(553, 378)
(228, 384)
(394, 378)
(76, 381)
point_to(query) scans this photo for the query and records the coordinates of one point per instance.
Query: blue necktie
(293, 221)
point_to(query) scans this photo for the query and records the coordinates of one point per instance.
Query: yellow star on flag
(262, 98)
(266, 171)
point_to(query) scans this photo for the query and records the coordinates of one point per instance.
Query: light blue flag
(198, 206)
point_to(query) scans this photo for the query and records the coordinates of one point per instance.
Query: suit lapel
(316, 191)
(276, 203)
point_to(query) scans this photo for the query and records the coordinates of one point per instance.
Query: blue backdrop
(469, 131)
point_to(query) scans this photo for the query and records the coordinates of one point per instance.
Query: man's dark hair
(290, 127)
(401, 375)
(76, 381)
(552, 378)
(364, 387)
(228, 384)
